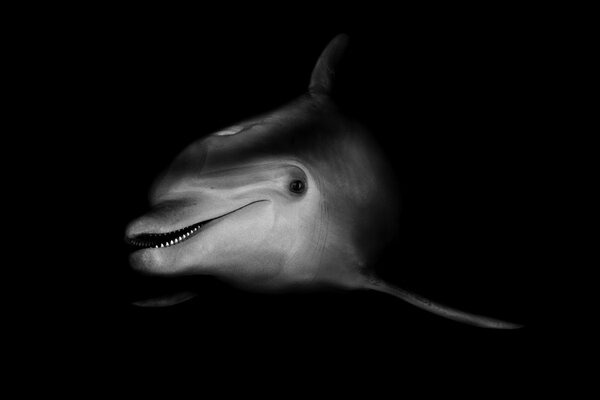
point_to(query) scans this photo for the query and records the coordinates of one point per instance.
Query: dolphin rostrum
(299, 198)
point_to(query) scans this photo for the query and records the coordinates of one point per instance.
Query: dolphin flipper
(166, 301)
(440, 309)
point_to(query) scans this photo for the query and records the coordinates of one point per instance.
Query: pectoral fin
(166, 301)
(440, 309)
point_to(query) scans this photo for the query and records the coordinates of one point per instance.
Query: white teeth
(183, 235)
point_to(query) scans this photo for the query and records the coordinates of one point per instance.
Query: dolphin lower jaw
(149, 240)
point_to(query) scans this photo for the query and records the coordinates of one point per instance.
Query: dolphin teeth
(160, 240)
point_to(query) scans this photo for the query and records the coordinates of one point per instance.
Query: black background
(454, 96)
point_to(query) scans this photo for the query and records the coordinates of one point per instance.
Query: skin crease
(268, 237)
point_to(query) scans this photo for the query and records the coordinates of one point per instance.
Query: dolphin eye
(297, 186)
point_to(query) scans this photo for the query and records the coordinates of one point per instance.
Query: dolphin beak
(151, 231)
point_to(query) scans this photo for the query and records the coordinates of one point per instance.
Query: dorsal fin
(323, 74)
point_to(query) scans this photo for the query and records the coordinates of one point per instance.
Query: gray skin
(266, 232)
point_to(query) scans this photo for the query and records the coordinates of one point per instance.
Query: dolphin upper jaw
(174, 220)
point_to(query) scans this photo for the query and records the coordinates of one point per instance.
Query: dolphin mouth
(158, 240)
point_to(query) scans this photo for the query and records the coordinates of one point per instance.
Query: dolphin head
(297, 198)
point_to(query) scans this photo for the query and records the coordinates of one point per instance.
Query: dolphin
(296, 199)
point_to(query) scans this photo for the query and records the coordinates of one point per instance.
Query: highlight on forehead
(232, 130)
(235, 129)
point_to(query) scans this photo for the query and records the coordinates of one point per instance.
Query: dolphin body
(299, 198)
